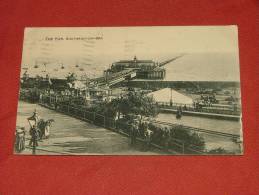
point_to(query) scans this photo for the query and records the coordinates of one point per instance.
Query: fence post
(94, 117)
(115, 124)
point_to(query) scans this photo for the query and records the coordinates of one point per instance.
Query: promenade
(71, 136)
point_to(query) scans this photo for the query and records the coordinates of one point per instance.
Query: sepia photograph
(157, 90)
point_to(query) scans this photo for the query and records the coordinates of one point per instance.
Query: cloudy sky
(211, 52)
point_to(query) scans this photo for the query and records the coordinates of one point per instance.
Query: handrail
(176, 125)
(198, 129)
(206, 109)
(106, 122)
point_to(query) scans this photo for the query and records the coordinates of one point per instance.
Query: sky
(210, 52)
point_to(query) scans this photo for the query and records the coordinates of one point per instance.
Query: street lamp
(33, 120)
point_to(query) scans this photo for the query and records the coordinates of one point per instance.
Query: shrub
(190, 139)
(219, 150)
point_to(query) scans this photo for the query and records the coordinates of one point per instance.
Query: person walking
(166, 138)
(134, 130)
(148, 138)
(178, 114)
(34, 139)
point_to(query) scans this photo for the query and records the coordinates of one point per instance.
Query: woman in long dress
(20, 140)
(44, 128)
(47, 131)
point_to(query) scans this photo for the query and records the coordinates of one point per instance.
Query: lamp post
(171, 97)
(33, 120)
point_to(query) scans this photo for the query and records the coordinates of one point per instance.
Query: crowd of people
(208, 100)
(163, 136)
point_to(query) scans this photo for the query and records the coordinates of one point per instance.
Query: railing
(29, 95)
(81, 112)
(198, 130)
(115, 77)
(213, 108)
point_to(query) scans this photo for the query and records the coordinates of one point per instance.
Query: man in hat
(148, 136)
(34, 139)
(34, 136)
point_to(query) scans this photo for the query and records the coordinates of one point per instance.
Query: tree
(71, 77)
(104, 108)
(138, 103)
(131, 106)
(117, 106)
(219, 150)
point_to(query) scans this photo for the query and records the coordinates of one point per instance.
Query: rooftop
(135, 60)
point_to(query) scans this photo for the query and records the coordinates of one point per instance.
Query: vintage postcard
(164, 90)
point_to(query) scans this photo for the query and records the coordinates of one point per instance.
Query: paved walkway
(70, 136)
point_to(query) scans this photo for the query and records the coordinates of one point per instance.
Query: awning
(166, 94)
